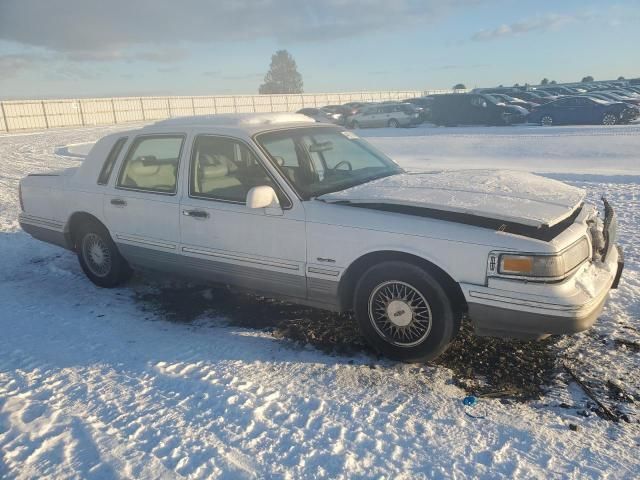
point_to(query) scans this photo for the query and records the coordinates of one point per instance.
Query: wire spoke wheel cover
(609, 119)
(97, 254)
(400, 313)
(547, 120)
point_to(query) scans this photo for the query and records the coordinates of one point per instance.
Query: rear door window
(152, 164)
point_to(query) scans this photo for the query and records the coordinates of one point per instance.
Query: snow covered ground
(101, 384)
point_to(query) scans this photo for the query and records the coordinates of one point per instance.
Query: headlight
(549, 267)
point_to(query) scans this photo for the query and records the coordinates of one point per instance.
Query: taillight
(20, 197)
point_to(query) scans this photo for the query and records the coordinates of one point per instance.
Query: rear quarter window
(107, 167)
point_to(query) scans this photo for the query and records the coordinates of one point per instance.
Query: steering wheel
(343, 162)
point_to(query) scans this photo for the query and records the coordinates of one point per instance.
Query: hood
(510, 196)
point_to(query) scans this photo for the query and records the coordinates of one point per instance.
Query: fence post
(113, 111)
(81, 112)
(235, 106)
(144, 116)
(193, 107)
(271, 102)
(253, 103)
(4, 117)
(215, 105)
(286, 97)
(169, 106)
(44, 113)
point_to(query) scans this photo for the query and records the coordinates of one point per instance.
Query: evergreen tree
(587, 79)
(545, 81)
(283, 75)
(459, 86)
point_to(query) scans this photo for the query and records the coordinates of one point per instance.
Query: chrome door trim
(242, 258)
(144, 241)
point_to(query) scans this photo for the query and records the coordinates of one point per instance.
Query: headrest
(214, 171)
(138, 168)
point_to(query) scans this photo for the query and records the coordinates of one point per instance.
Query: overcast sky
(72, 48)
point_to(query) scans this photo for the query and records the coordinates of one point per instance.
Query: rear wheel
(355, 124)
(393, 123)
(404, 313)
(546, 121)
(609, 119)
(99, 257)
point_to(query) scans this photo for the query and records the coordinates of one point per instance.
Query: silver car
(392, 115)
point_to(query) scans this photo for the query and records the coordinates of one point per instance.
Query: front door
(225, 241)
(142, 208)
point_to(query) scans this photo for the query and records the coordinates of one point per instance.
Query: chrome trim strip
(242, 258)
(523, 302)
(323, 271)
(144, 241)
(39, 221)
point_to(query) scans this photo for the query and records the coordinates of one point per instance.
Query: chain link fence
(43, 114)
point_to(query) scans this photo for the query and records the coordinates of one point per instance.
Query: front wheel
(609, 119)
(355, 124)
(393, 123)
(99, 257)
(546, 121)
(404, 313)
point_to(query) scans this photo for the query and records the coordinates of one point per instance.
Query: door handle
(199, 214)
(118, 202)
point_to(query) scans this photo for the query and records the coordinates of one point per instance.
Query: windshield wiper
(360, 182)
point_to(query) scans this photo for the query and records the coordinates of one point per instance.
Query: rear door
(142, 206)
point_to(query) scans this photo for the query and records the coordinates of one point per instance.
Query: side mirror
(262, 197)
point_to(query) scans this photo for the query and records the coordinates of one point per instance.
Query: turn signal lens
(549, 266)
(513, 264)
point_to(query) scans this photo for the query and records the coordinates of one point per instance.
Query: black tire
(355, 124)
(426, 344)
(110, 273)
(393, 123)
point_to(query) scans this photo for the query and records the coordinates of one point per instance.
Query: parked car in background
(423, 106)
(311, 214)
(561, 90)
(320, 115)
(514, 101)
(617, 97)
(474, 109)
(537, 97)
(338, 112)
(391, 115)
(583, 110)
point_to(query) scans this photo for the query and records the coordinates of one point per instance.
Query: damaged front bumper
(528, 310)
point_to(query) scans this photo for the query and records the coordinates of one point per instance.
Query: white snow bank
(576, 150)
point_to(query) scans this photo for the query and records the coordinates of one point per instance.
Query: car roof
(233, 124)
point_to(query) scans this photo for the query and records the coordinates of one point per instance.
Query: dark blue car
(583, 110)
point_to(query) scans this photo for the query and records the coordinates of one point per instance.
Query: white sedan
(310, 213)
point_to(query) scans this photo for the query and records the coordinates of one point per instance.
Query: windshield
(493, 99)
(319, 160)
